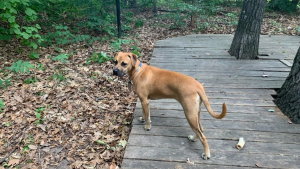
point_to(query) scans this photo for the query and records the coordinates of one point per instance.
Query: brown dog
(154, 83)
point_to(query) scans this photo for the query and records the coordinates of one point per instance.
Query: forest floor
(78, 114)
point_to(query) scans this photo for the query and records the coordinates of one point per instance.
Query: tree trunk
(193, 17)
(246, 39)
(154, 7)
(288, 99)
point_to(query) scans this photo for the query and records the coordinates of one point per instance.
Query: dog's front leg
(146, 113)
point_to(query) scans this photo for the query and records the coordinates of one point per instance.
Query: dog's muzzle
(117, 72)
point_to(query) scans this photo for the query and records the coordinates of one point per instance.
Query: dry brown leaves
(90, 105)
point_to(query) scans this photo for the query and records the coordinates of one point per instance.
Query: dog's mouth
(119, 73)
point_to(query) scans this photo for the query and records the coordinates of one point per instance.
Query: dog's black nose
(115, 71)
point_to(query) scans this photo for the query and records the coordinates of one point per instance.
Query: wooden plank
(250, 117)
(212, 68)
(250, 108)
(230, 124)
(221, 134)
(225, 90)
(146, 164)
(233, 101)
(253, 96)
(216, 107)
(217, 145)
(217, 101)
(228, 158)
(286, 62)
(219, 66)
(196, 73)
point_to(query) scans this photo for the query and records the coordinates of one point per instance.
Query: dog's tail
(207, 105)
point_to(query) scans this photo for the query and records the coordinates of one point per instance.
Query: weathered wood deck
(271, 142)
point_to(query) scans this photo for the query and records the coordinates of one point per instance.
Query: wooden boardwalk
(247, 87)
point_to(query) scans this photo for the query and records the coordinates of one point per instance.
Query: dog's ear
(133, 59)
(115, 55)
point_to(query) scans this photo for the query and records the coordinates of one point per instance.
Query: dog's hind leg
(195, 137)
(191, 111)
(199, 111)
(192, 119)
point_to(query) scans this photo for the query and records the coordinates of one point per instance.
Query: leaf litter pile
(77, 115)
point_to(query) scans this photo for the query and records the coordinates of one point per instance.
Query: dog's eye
(116, 62)
(123, 64)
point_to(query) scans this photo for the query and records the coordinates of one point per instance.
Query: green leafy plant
(29, 80)
(40, 66)
(297, 28)
(38, 115)
(59, 76)
(202, 25)
(2, 106)
(178, 20)
(27, 143)
(128, 17)
(138, 23)
(115, 44)
(28, 34)
(62, 36)
(98, 58)
(94, 75)
(135, 50)
(103, 143)
(288, 6)
(232, 18)
(61, 57)
(102, 23)
(5, 83)
(33, 55)
(20, 66)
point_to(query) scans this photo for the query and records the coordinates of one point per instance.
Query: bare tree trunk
(193, 17)
(154, 7)
(288, 99)
(246, 39)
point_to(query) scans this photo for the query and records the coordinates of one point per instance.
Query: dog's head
(124, 63)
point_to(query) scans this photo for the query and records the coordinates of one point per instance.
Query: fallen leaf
(13, 161)
(32, 147)
(16, 155)
(42, 126)
(122, 143)
(101, 142)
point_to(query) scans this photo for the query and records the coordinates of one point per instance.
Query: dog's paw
(147, 127)
(205, 157)
(193, 138)
(141, 120)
